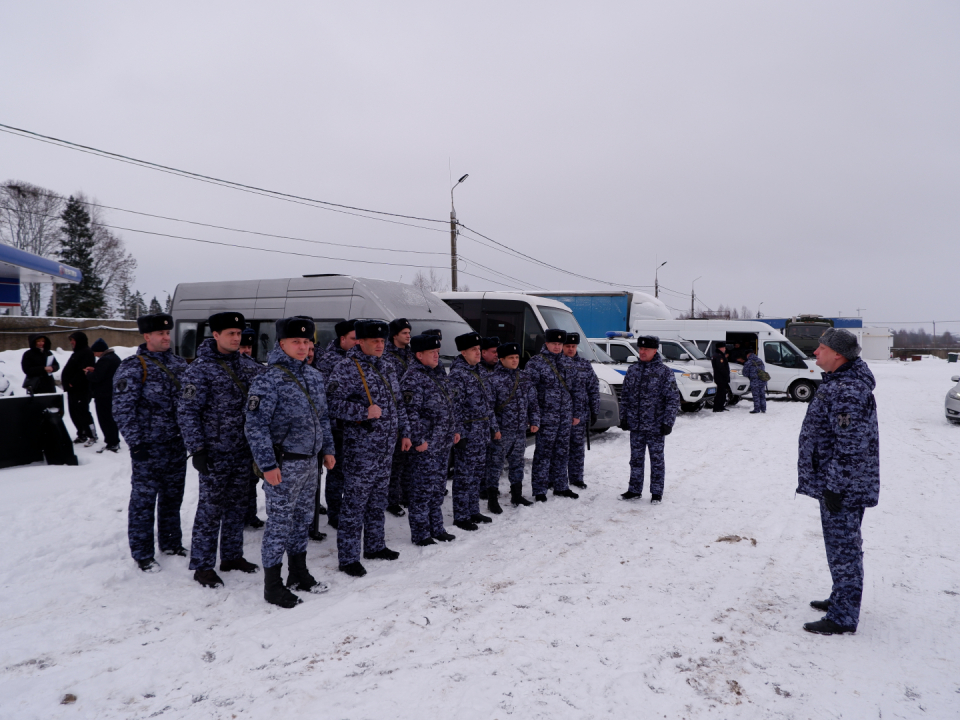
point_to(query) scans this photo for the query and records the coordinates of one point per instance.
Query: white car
(952, 402)
(695, 382)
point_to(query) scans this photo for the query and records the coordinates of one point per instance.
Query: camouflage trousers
(510, 447)
(221, 510)
(399, 492)
(289, 511)
(758, 389)
(577, 451)
(640, 443)
(844, 546)
(156, 493)
(550, 457)
(428, 480)
(366, 478)
(469, 464)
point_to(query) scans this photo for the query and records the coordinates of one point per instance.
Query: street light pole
(692, 296)
(656, 282)
(453, 236)
(758, 310)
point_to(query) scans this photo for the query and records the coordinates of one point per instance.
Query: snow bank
(571, 609)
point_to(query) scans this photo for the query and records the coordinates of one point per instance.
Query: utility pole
(656, 282)
(693, 296)
(453, 236)
(858, 311)
(53, 300)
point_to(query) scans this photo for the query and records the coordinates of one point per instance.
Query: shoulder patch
(253, 403)
(332, 386)
(121, 385)
(843, 420)
(189, 391)
(408, 396)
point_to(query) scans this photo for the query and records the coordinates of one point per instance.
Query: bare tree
(431, 283)
(30, 221)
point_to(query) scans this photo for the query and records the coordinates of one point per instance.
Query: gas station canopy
(19, 266)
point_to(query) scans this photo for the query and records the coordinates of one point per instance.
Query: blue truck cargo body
(597, 313)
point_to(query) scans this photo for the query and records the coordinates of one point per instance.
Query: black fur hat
(489, 342)
(468, 340)
(248, 337)
(225, 321)
(554, 335)
(508, 349)
(344, 327)
(433, 332)
(648, 341)
(422, 343)
(398, 325)
(572, 338)
(371, 329)
(154, 323)
(295, 327)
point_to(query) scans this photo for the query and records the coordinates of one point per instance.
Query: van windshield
(564, 320)
(694, 351)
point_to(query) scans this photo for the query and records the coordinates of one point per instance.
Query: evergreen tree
(123, 302)
(155, 306)
(84, 299)
(138, 306)
(168, 306)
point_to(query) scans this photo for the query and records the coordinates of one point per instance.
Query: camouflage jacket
(586, 396)
(474, 398)
(649, 397)
(348, 395)
(554, 380)
(145, 397)
(514, 400)
(430, 406)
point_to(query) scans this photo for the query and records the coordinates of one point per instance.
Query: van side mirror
(631, 359)
(684, 356)
(955, 378)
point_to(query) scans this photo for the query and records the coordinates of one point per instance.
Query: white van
(790, 371)
(522, 319)
(694, 380)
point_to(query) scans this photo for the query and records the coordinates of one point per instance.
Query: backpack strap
(386, 384)
(559, 376)
(233, 376)
(293, 377)
(516, 383)
(143, 362)
(363, 379)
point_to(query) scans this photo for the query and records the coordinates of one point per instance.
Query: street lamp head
(661, 264)
(463, 178)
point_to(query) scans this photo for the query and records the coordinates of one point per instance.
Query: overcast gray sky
(803, 155)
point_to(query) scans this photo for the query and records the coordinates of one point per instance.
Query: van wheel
(691, 407)
(802, 391)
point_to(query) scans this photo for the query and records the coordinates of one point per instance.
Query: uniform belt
(480, 419)
(282, 455)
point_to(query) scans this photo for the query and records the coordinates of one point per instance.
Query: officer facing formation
(365, 397)
(587, 396)
(552, 375)
(398, 356)
(479, 427)
(434, 429)
(287, 428)
(649, 403)
(516, 408)
(211, 417)
(839, 465)
(146, 389)
(752, 369)
(335, 351)
(721, 375)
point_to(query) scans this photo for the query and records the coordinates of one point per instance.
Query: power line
(502, 274)
(296, 199)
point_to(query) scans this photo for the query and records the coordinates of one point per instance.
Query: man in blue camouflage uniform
(398, 356)
(516, 409)
(365, 397)
(839, 465)
(488, 364)
(335, 352)
(146, 388)
(758, 388)
(211, 417)
(552, 375)
(649, 403)
(287, 427)
(586, 394)
(434, 429)
(479, 426)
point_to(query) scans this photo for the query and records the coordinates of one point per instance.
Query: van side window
(186, 346)
(619, 353)
(671, 351)
(532, 335)
(779, 353)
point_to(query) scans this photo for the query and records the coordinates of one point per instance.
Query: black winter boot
(827, 627)
(241, 564)
(273, 590)
(301, 579)
(383, 554)
(207, 578)
(493, 505)
(822, 605)
(541, 497)
(568, 493)
(517, 498)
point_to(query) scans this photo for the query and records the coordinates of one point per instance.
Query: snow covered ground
(577, 609)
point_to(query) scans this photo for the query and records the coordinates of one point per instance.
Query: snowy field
(593, 608)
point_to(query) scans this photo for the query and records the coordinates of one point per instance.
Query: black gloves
(140, 452)
(665, 430)
(200, 461)
(833, 501)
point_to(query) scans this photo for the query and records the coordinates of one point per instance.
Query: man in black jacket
(39, 365)
(77, 386)
(721, 376)
(101, 383)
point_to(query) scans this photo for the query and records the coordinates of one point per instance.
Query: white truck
(694, 380)
(790, 371)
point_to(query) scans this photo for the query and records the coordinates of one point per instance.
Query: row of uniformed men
(396, 414)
